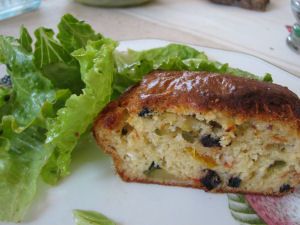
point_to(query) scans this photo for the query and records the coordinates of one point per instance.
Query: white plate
(93, 184)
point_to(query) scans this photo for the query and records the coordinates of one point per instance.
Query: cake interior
(209, 150)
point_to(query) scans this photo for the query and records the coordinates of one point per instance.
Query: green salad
(55, 89)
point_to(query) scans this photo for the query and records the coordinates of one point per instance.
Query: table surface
(262, 34)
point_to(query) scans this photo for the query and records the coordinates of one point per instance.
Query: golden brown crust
(201, 92)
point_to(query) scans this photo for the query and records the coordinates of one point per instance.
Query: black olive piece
(124, 131)
(214, 124)
(6, 80)
(153, 166)
(208, 141)
(234, 182)
(211, 180)
(285, 188)
(145, 112)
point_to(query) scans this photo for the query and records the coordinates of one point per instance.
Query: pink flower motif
(277, 210)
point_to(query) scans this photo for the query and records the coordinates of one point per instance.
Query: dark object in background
(248, 4)
(293, 40)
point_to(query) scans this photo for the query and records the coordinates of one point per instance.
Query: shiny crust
(197, 92)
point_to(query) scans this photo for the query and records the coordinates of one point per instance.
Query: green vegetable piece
(278, 164)
(97, 68)
(268, 78)
(158, 132)
(47, 49)
(242, 211)
(133, 65)
(30, 89)
(188, 136)
(84, 217)
(64, 76)
(25, 39)
(22, 155)
(55, 62)
(74, 34)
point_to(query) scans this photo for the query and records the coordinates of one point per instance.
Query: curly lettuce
(30, 88)
(22, 156)
(80, 110)
(52, 90)
(132, 65)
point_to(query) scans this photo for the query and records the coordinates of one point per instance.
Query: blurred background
(261, 30)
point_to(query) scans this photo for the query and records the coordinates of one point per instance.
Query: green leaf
(56, 63)
(74, 34)
(22, 155)
(30, 89)
(24, 109)
(47, 49)
(242, 211)
(84, 217)
(25, 39)
(133, 65)
(29, 111)
(268, 78)
(64, 76)
(97, 68)
(241, 73)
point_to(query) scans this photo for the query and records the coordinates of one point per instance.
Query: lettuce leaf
(30, 88)
(38, 116)
(85, 217)
(55, 62)
(74, 34)
(53, 56)
(97, 69)
(22, 155)
(25, 39)
(22, 150)
(47, 49)
(29, 111)
(133, 65)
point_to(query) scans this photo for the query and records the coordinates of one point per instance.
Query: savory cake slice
(216, 132)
